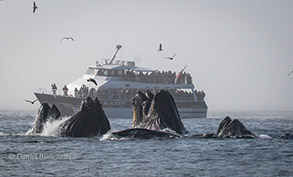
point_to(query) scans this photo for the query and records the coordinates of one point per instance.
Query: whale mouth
(156, 112)
(235, 128)
(45, 114)
(89, 121)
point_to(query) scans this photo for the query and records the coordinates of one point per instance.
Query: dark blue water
(269, 155)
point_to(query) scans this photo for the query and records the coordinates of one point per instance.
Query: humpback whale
(162, 113)
(228, 129)
(154, 116)
(45, 113)
(89, 121)
(235, 128)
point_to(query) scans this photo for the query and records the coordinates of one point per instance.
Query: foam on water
(109, 136)
(264, 136)
(3, 134)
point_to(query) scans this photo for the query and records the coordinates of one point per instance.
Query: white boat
(117, 82)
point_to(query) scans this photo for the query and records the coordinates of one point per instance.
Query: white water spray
(262, 136)
(52, 128)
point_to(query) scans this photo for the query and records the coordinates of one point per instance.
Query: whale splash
(53, 128)
(45, 115)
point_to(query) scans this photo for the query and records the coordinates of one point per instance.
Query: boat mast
(114, 56)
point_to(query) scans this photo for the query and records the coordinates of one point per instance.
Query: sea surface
(51, 155)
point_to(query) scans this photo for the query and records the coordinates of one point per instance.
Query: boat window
(100, 72)
(112, 72)
(106, 72)
(90, 71)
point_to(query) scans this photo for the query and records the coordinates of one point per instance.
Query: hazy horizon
(238, 52)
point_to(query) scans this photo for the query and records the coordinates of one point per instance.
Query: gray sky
(238, 52)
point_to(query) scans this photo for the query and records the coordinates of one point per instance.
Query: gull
(32, 102)
(171, 58)
(93, 81)
(160, 48)
(34, 7)
(67, 38)
(290, 73)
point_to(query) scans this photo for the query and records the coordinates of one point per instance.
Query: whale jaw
(235, 128)
(156, 112)
(89, 121)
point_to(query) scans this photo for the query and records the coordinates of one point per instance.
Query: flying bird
(290, 73)
(32, 102)
(93, 81)
(171, 58)
(67, 38)
(34, 7)
(160, 48)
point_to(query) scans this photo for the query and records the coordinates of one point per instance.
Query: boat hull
(68, 105)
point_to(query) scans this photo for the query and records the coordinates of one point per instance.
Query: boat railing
(85, 94)
(150, 80)
(116, 95)
(55, 92)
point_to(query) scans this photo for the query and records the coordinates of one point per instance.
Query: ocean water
(50, 155)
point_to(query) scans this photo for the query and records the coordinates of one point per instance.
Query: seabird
(34, 7)
(290, 73)
(32, 102)
(93, 81)
(67, 38)
(171, 58)
(160, 48)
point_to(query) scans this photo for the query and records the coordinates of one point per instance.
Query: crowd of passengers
(157, 77)
(120, 94)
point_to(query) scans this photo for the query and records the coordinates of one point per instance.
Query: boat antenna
(114, 56)
(117, 34)
(102, 49)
